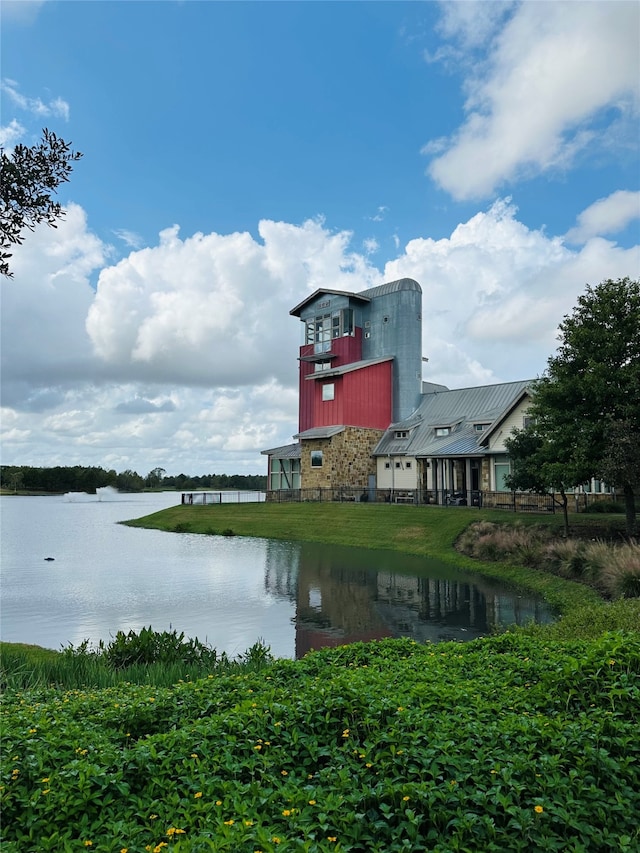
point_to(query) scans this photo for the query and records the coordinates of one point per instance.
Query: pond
(228, 591)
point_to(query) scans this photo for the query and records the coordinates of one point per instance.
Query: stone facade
(346, 459)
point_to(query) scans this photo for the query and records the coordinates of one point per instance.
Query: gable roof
(458, 409)
(362, 295)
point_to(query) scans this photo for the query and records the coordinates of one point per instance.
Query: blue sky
(238, 155)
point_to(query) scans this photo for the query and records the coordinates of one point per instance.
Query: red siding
(362, 398)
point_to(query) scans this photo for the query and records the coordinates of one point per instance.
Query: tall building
(360, 370)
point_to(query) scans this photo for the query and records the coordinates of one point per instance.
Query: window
(526, 422)
(284, 474)
(316, 459)
(443, 430)
(501, 471)
(387, 464)
(398, 464)
(328, 391)
(321, 329)
(407, 464)
(401, 433)
(322, 365)
(480, 427)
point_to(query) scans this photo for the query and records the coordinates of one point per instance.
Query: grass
(612, 568)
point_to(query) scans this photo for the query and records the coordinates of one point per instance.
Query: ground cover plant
(501, 744)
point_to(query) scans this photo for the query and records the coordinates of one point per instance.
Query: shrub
(606, 506)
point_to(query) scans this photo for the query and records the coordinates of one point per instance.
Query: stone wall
(346, 459)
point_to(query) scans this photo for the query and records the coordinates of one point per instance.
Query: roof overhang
(295, 312)
(320, 432)
(347, 368)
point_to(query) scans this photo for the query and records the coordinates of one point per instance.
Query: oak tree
(591, 385)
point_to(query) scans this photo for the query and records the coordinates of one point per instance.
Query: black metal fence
(515, 502)
(512, 501)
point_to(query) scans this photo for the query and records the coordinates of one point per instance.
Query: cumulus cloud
(495, 291)
(536, 100)
(608, 215)
(185, 356)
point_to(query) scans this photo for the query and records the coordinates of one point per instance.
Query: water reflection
(227, 591)
(345, 595)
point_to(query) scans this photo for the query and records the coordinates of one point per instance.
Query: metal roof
(320, 432)
(461, 409)
(362, 295)
(287, 451)
(348, 368)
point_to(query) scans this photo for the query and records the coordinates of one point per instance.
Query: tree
(154, 478)
(28, 177)
(620, 465)
(536, 467)
(592, 383)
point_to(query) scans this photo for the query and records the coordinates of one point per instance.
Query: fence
(515, 502)
(205, 498)
(512, 501)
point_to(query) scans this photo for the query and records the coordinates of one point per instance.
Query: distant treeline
(77, 478)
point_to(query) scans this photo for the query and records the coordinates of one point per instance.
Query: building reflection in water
(345, 595)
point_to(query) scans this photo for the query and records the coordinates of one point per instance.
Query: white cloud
(495, 292)
(534, 104)
(186, 356)
(129, 238)
(10, 134)
(57, 106)
(608, 215)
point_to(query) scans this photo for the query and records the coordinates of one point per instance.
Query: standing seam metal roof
(461, 409)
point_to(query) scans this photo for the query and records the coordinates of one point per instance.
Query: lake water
(227, 591)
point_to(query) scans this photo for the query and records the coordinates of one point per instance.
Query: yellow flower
(88, 843)
(229, 822)
(258, 746)
(45, 779)
(284, 773)
(405, 799)
(248, 823)
(194, 755)
(124, 850)
(345, 733)
(368, 764)
(332, 837)
(538, 809)
(286, 812)
(197, 795)
(275, 839)
(47, 791)
(312, 802)
(153, 816)
(151, 699)
(218, 802)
